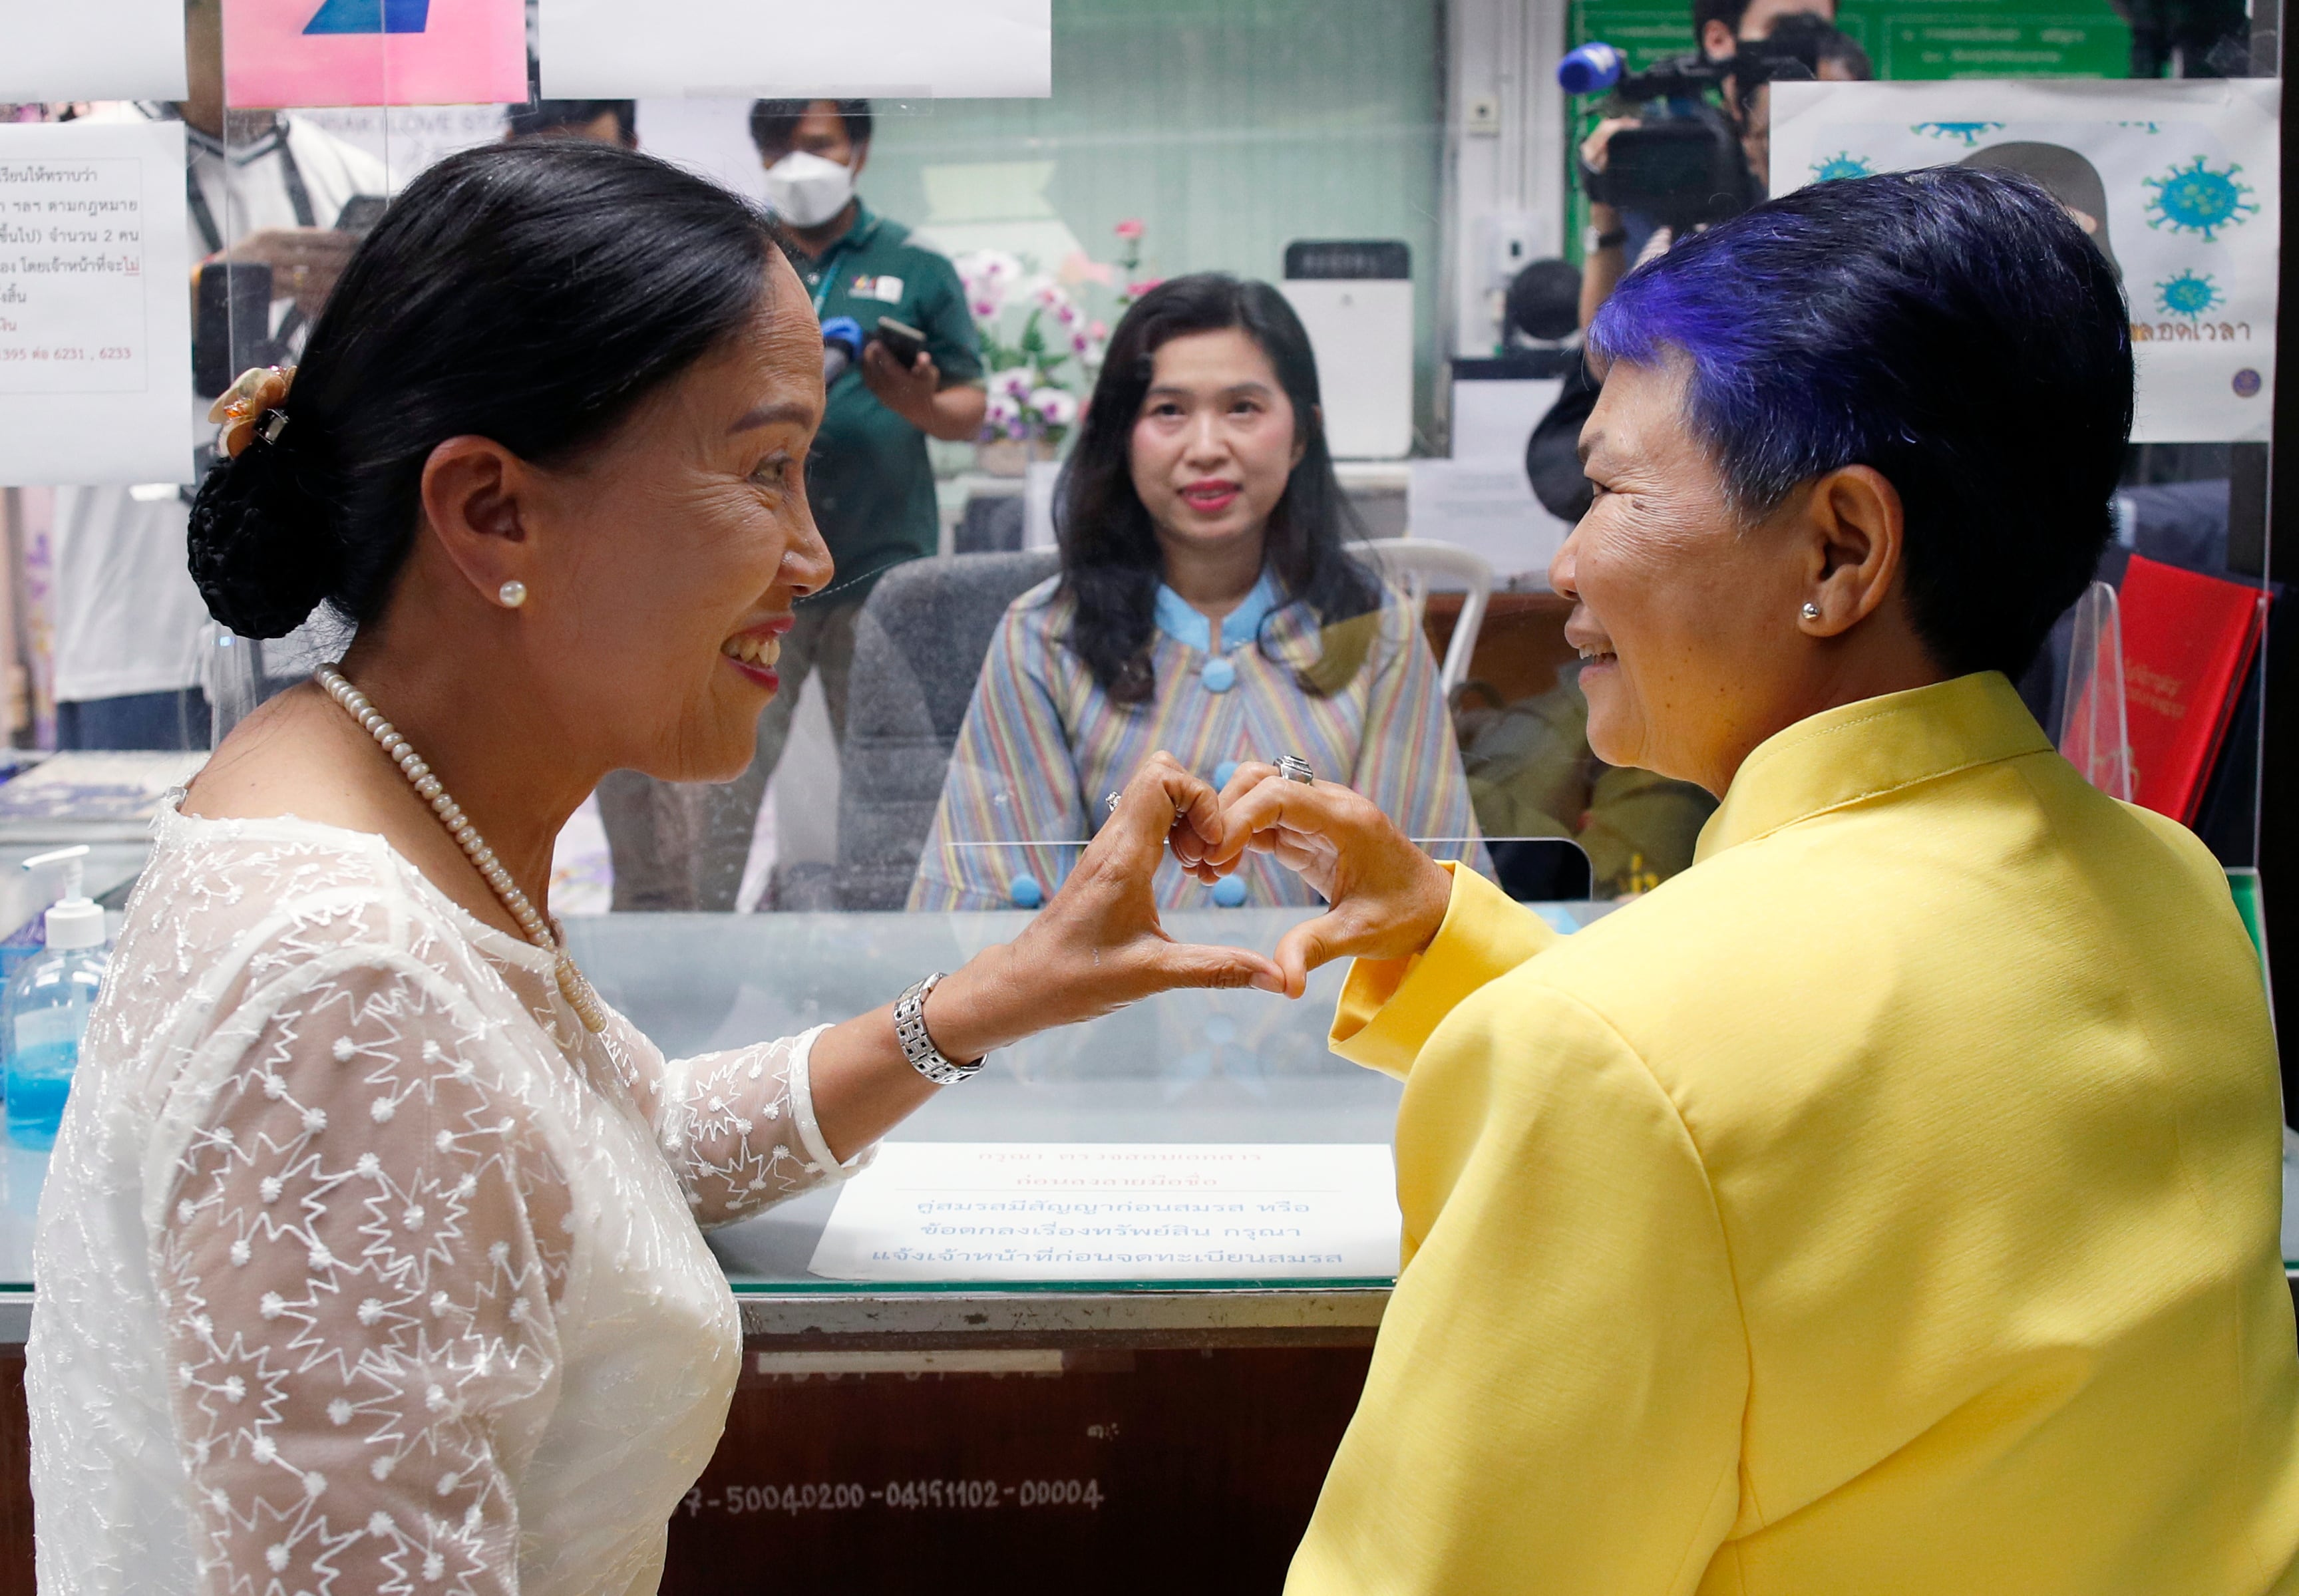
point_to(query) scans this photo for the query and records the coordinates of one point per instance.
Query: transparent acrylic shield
(2092, 734)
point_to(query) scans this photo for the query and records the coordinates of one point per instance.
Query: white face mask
(806, 191)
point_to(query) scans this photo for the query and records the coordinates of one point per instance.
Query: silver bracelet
(910, 1031)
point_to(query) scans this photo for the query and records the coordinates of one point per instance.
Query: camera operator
(1619, 236)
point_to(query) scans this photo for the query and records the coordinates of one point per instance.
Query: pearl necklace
(542, 932)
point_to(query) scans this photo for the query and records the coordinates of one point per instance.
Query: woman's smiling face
(683, 543)
(1215, 442)
(1685, 613)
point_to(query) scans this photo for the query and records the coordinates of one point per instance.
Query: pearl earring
(514, 593)
(1811, 610)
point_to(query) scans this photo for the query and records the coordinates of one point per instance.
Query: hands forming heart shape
(1098, 945)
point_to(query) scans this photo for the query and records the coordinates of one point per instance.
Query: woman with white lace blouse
(370, 1256)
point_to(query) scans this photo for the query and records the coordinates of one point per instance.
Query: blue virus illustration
(1969, 134)
(2189, 296)
(2142, 127)
(2197, 198)
(1840, 165)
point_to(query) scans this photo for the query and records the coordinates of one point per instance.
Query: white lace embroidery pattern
(362, 1265)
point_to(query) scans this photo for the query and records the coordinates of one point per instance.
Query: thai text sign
(1091, 1210)
(95, 364)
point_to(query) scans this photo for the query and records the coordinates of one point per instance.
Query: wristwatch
(910, 1031)
(1594, 241)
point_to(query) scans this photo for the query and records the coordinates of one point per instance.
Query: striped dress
(1042, 743)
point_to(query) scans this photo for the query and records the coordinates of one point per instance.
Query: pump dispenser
(44, 1015)
(75, 919)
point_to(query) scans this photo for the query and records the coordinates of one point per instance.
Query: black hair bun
(262, 552)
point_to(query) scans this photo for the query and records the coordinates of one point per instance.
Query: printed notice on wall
(92, 50)
(733, 49)
(96, 332)
(2175, 182)
(1085, 1210)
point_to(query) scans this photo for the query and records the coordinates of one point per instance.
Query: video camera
(1682, 165)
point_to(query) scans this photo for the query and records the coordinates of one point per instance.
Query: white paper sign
(1486, 506)
(95, 325)
(2176, 180)
(1082, 1211)
(907, 49)
(92, 50)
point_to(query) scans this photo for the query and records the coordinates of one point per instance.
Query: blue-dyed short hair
(1951, 328)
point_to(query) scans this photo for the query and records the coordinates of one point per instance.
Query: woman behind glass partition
(1207, 605)
(368, 1256)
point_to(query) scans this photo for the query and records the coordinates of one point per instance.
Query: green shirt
(868, 478)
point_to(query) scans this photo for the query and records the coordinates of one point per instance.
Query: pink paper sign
(374, 51)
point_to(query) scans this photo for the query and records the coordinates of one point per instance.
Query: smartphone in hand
(905, 342)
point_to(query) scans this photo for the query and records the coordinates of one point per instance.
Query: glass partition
(1012, 631)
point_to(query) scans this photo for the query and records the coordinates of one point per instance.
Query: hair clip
(249, 410)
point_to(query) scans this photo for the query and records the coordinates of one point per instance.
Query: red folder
(2188, 640)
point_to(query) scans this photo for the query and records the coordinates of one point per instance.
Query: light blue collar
(1179, 621)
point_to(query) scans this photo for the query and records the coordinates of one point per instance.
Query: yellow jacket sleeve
(1556, 1401)
(1389, 1006)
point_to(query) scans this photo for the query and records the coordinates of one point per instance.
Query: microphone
(1591, 70)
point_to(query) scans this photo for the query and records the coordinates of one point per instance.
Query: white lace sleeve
(358, 1261)
(739, 1128)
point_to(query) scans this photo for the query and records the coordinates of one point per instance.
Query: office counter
(987, 1437)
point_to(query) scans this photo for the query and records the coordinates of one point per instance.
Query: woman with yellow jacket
(1890, 1201)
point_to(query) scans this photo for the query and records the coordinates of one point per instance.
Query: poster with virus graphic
(2175, 181)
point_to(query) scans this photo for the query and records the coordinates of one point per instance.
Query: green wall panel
(1229, 129)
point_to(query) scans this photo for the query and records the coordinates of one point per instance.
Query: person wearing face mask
(1208, 605)
(869, 479)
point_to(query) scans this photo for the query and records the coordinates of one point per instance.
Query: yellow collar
(1859, 751)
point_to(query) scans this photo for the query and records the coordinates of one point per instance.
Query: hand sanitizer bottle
(44, 1015)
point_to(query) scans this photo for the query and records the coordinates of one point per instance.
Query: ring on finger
(1294, 768)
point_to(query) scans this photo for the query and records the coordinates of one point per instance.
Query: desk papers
(96, 319)
(1083, 1210)
(81, 787)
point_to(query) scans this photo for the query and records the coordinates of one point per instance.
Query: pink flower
(1129, 229)
(1055, 407)
(1136, 290)
(1097, 331)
